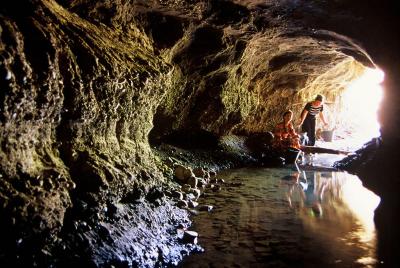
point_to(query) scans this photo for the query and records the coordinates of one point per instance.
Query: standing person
(308, 117)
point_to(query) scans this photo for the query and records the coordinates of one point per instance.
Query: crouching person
(286, 140)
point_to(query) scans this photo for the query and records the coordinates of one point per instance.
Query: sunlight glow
(362, 204)
(361, 102)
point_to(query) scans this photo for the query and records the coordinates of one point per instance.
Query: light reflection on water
(281, 218)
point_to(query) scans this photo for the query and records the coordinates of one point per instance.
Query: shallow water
(282, 218)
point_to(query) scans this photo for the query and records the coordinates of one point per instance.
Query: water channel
(281, 217)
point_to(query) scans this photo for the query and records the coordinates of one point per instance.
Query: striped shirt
(313, 111)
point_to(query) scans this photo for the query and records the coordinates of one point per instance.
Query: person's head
(319, 99)
(287, 116)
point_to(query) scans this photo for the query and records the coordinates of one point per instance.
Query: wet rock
(193, 204)
(155, 195)
(217, 188)
(169, 161)
(190, 196)
(182, 204)
(199, 172)
(192, 181)
(201, 183)
(182, 227)
(193, 212)
(207, 208)
(104, 231)
(186, 188)
(212, 173)
(182, 173)
(211, 186)
(112, 209)
(235, 184)
(361, 158)
(190, 237)
(196, 193)
(177, 195)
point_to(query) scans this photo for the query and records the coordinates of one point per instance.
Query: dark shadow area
(205, 41)
(165, 30)
(226, 12)
(191, 139)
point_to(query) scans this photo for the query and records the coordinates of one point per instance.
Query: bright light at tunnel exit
(361, 101)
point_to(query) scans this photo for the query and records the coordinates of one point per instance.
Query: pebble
(179, 172)
(186, 188)
(193, 211)
(217, 188)
(182, 173)
(177, 195)
(192, 181)
(201, 183)
(193, 204)
(199, 172)
(206, 208)
(196, 193)
(190, 237)
(8, 75)
(182, 204)
(191, 196)
(213, 180)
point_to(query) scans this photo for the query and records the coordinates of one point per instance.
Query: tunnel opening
(353, 115)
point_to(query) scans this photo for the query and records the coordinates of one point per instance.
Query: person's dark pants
(309, 127)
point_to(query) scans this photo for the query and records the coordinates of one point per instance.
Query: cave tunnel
(143, 133)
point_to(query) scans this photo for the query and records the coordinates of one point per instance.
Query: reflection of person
(308, 118)
(291, 180)
(284, 134)
(313, 194)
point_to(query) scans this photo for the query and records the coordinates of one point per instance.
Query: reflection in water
(347, 202)
(281, 218)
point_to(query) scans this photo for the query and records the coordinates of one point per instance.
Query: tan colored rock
(183, 173)
(199, 172)
(180, 172)
(188, 173)
(192, 181)
(186, 188)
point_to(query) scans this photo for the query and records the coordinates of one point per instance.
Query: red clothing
(286, 137)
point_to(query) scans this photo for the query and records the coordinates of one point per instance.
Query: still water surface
(285, 218)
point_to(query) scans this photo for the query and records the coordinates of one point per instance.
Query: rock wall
(77, 101)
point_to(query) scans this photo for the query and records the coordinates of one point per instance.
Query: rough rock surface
(87, 86)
